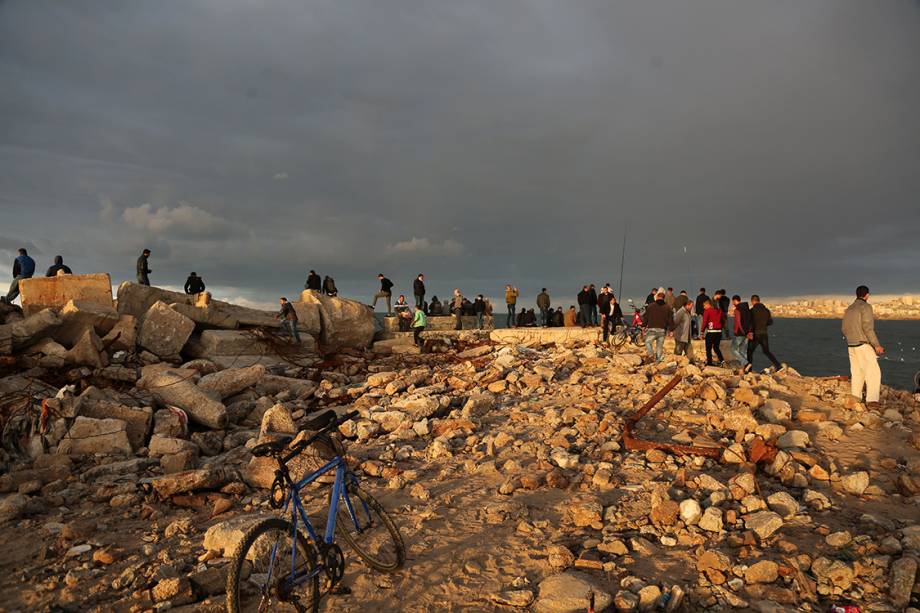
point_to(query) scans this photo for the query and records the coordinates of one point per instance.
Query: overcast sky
(477, 141)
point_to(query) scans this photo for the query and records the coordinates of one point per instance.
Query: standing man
(194, 284)
(58, 267)
(683, 343)
(288, 317)
(592, 302)
(658, 319)
(651, 296)
(699, 309)
(712, 324)
(681, 299)
(479, 307)
(584, 306)
(543, 304)
(603, 307)
(313, 283)
(418, 324)
(511, 296)
(386, 291)
(457, 303)
(23, 268)
(142, 269)
(761, 319)
(418, 288)
(723, 302)
(863, 347)
(669, 298)
(742, 328)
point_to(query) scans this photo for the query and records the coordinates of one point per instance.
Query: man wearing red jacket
(713, 318)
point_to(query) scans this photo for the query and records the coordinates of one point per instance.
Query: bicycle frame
(293, 502)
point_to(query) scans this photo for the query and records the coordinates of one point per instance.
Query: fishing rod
(622, 260)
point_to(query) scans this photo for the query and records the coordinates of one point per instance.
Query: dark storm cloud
(479, 142)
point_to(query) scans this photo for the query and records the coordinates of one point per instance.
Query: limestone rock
(344, 323)
(202, 479)
(164, 331)
(855, 483)
(794, 439)
(903, 575)
(176, 387)
(137, 419)
(711, 521)
(223, 537)
(88, 351)
(177, 591)
(775, 410)
(40, 293)
(123, 336)
(690, 512)
(569, 593)
(88, 436)
(165, 445)
(231, 381)
(763, 523)
(78, 315)
(783, 504)
(765, 571)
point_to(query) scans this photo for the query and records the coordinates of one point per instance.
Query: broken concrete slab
(88, 351)
(123, 336)
(206, 317)
(231, 381)
(40, 293)
(138, 420)
(164, 331)
(201, 479)
(46, 353)
(30, 330)
(345, 323)
(229, 348)
(78, 315)
(177, 387)
(89, 436)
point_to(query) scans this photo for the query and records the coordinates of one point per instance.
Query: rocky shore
(501, 455)
(885, 307)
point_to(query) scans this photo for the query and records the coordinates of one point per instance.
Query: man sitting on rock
(434, 307)
(194, 284)
(571, 317)
(329, 287)
(58, 268)
(23, 268)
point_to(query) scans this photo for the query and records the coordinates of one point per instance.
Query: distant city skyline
(479, 142)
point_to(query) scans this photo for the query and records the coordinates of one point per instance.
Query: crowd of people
(664, 314)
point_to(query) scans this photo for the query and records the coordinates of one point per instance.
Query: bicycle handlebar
(276, 447)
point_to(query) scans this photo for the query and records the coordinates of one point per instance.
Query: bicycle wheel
(259, 578)
(618, 339)
(376, 538)
(639, 338)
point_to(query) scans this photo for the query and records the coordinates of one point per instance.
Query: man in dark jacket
(584, 306)
(479, 308)
(698, 311)
(651, 296)
(289, 320)
(603, 308)
(434, 307)
(543, 303)
(313, 282)
(194, 284)
(742, 328)
(418, 288)
(761, 319)
(658, 319)
(592, 302)
(58, 266)
(386, 291)
(329, 287)
(681, 299)
(142, 269)
(23, 268)
(722, 301)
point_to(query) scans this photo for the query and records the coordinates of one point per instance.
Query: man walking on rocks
(142, 269)
(761, 320)
(511, 295)
(742, 327)
(863, 348)
(683, 337)
(23, 268)
(713, 320)
(543, 304)
(418, 324)
(699, 309)
(289, 321)
(386, 292)
(658, 319)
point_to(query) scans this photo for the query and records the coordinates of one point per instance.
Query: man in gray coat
(863, 348)
(683, 343)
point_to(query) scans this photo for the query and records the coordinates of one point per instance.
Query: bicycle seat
(275, 446)
(320, 421)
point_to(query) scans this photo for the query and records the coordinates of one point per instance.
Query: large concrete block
(235, 343)
(122, 337)
(164, 331)
(137, 420)
(54, 292)
(176, 387)
(345, 323)
(21, 334)
(88, 436)
(79, 315)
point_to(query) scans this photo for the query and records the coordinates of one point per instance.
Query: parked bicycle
(633, 332)
(277, 566)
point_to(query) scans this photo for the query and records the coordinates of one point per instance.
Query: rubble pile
(129, 480)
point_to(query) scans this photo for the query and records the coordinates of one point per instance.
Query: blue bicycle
(276, 566)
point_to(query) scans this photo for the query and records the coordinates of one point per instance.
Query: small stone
(690, 511)
(585, 512)
(783, 504)
(794, 439)
(838, 539)
(763, 524)
(648, 597)
(625, 601)
(655, 456)
(176, 591)
(513, 598)
(765, 571)
(711, 521)
(855, 483)
(903, 574)
(559, 557)
(569, 592)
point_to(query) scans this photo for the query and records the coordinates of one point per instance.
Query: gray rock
(903, 575)
(226, 383)
(164, 331)
(764, 523)
(569, 592)
(176, 387)
(88, 436)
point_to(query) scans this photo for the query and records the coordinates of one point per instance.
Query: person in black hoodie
(761, 319)
(722, 301)
(418, 288)
(592, 302)
(313, 282)
(742, 328)
(698, 309)
(329, 287)
(194, 284)
(584, 306)
(479, 308)
(386, 292)
(603, 307)
(58, 266)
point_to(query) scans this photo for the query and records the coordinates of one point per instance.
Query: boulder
(176, 387)
(123, 335)
(78, 315)
(344, 323)
(88, 351)
(206, 316)
(48, 353)
(137, 419)
(210, 478)
(164, 331)
(165, 445)
(214, 344)
(40, 293)
(88, 435)
(21, 334)
(222, 538)
(569, 592)
(232, 381)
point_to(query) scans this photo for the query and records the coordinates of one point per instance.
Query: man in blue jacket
(23, 268)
